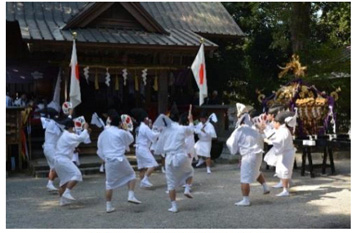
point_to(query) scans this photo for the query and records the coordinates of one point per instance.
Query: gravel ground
(321, 202)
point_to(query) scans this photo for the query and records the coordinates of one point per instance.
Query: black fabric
(115, 120)
(184, 118)
(139, 114)
(280, 117)
(275, 109)
(203, 114)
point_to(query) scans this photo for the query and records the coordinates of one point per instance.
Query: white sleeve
(279, 142)
(127, 138)
(232, 142)
(159, 145)
(151, 135)
(99, 144)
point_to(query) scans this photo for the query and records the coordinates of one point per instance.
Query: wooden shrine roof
(199, 17)
(54, 21)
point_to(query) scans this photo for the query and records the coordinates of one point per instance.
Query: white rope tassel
(144, 76)
(107, 78)
(124, 75)
(86, 73)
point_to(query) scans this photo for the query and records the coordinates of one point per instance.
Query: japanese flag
(198, 69)
(75, 91)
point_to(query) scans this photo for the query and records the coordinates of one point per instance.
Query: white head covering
(241, 108)
(162, 122)
(245, 118)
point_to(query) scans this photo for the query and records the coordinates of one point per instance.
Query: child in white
(206, 133)
(145, 159)
(284, 150)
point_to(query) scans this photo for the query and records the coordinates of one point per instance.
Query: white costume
(285, 152)
(249, 144)
(269, 132)
(112, 144)
(64, 167)
(203, 145)
(144, 139)
(172, 143)
(52, 135)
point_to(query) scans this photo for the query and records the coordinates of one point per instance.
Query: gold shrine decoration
(294, 65)
(334, 94)
(260, 97)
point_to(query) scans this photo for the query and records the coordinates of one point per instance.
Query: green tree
(318, 32)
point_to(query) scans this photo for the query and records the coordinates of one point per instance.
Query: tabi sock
(173, 204)
(265, 187)
(187, 188)
(130, 194)
(246, 198)
(68, 191)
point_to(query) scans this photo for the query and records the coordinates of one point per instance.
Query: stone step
(89, 165)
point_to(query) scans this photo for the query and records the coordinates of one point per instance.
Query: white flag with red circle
(198, 69)
(75, 90)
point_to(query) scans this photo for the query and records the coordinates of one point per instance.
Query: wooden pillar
(163, 93)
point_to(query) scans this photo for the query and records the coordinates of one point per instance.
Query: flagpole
(74, 36)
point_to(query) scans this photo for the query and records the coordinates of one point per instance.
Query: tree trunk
(300, 26)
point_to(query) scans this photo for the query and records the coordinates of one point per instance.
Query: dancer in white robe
(67, 171)
(51, 136)
(112, 144)
(191, 152)
(284, 150)
(206, 133)
(248, 142)
(178, 168)
(145, 159)
(270, 133)
(53, 131)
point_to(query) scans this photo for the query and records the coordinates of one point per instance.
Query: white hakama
(116, 179)
(172, 143)
(178, 169)
(144, 139)
(249, 144)
(64, 167)
(269, 132)
(112, 144)
(203, 145)
(51, 136)
(285, 152)
(270, 157)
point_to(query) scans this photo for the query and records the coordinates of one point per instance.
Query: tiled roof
(46, 20)
(199, 17)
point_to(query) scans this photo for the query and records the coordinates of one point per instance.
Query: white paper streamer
(86, 73)
(144, 76)
(107, 78)
(124, 75)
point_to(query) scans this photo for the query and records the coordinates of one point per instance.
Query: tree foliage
(318, 32)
